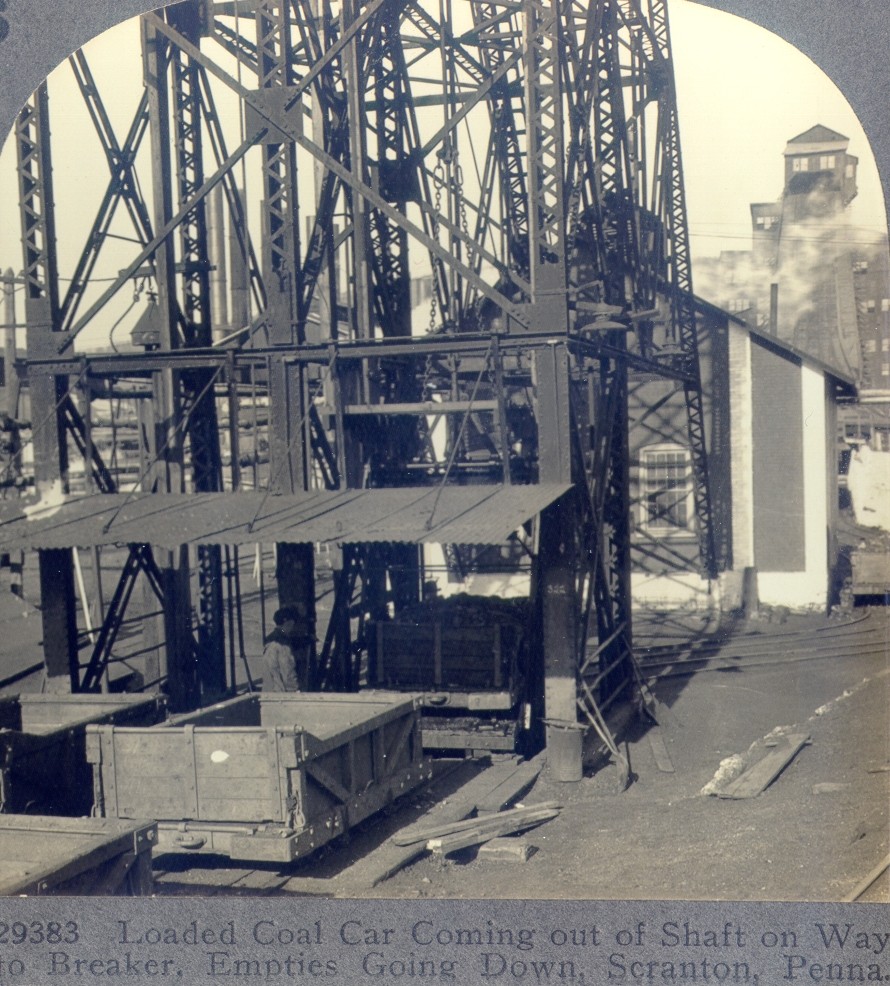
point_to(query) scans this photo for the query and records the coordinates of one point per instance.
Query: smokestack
(774, 309)
(219, 301)
(238, 279)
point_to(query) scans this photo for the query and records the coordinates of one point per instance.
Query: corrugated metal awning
(453, 515)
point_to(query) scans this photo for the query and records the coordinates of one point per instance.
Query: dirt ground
(813, 834)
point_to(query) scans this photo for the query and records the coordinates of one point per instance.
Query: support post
(42, 316)
(172, 631)
(558, 568)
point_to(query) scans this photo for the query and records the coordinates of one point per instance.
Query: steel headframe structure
(523, 153)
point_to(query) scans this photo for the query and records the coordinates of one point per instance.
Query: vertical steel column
(558, 560)
(559, 543)
(289, 406)
(174, 642)
(613, 608)
(683, 298)
(281, 233)
(397, 179)
(362, 316)
(395, 175)
(546, 172)
(42, 315)
(198, 386)
(497, 28)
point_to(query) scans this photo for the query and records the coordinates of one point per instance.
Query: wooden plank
(450, 828)
(490, 828)
(506, 850)
(761, 774)
(660, 751)
(867, 881)
(512, 786)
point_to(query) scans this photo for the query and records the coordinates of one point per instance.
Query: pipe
(10, 383)
(219, 300)
(774, 309)
(239, 293)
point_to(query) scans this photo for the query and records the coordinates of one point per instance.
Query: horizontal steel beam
(422, 407)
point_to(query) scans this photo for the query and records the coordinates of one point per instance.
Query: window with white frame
(800, 164)
(826, 162)
(666, 486)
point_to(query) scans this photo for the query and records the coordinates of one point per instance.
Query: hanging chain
(458, 186)
(439, 182)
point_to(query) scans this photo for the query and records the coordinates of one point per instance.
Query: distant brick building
(811, 278)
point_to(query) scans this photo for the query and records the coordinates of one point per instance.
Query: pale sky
(742, 93)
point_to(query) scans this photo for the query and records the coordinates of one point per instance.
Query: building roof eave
(846, 383)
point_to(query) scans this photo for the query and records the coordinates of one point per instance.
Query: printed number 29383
(38, 932)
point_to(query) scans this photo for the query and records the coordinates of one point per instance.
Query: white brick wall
(741, 456)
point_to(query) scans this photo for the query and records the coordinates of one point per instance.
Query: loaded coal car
(261, 777)
(468, 657)
(43, 765)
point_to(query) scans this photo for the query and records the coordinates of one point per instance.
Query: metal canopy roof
(483, 514)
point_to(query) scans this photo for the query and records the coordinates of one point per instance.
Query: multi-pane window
(666, 477)
(800, 164)
(826, 162)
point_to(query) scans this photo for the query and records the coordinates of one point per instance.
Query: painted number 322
(4, 23)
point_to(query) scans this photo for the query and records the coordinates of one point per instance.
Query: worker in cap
(287, 652)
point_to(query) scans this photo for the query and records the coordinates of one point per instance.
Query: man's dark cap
(286, 613)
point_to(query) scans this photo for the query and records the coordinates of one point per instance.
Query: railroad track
(868, 635)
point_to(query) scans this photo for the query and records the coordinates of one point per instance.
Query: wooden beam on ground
(491, 827)
(660, 751)
(867, 881)
(425, 833)
(760, 775)
(513, 786)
